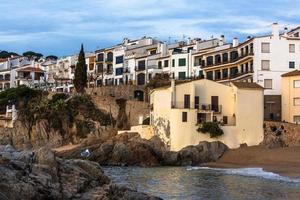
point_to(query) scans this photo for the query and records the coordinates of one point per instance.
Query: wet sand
(282, 161)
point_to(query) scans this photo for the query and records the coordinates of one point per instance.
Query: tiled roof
(292, 73)
(30, 69)
(247, 85)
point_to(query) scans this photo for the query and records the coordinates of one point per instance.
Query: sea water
(206, 183)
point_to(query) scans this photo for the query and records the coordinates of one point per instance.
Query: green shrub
(212, 128)
(273, 128)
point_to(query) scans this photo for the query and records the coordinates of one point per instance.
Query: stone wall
(120, 91)
(279, 134)
(134, 108)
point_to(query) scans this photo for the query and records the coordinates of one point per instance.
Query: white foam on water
(250, 172)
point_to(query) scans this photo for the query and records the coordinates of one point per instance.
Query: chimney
(173, 93)
(163, 49)
(125, 41)
(235, 42)
(275, 30)
(285, 31)
(222, 40)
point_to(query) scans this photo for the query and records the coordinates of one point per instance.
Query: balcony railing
(199, 107)
(140, 68)
(109, 60)
(225, 62)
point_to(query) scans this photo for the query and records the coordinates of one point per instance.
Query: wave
(250, 172)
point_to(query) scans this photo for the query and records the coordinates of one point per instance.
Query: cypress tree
(80, 79)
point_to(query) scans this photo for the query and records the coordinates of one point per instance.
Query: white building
(261, 59)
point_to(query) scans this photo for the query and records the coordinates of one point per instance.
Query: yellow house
(291, 97)
(177, 111)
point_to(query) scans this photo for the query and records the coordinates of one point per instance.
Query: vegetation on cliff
(60, 112)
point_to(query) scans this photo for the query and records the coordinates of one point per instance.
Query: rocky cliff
(279, 134)
(41, 175)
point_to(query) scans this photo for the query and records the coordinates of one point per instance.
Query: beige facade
(291, 97)
(177, 111)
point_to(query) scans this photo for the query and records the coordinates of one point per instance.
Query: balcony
(213, 64)
(140, 68)
(109, 60)
(109, 72)
(199, 107)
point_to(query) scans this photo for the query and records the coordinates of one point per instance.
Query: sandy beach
(283, 161)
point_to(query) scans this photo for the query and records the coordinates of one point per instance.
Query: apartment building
(261, 59)
(138, 61)
(177, 111)
(291, 96)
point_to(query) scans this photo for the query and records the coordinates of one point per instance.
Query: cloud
(59, 26)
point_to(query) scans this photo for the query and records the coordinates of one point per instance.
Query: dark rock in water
(130, 149)
(42, 175)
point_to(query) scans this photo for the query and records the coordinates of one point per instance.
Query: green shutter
(173, 63)
(181, 75)
(182, 62)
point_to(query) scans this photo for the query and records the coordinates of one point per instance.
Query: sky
(59, 26)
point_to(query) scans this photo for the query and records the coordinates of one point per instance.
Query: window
(292, 48)
(173, 63)
(297, 84)
(297, 101)
(100, 57)
(225, 119)
(291, 64)
(184, 116)
(296, 119)
(153, 52)
(181, 75)
(166, 63)
(187, 101)
(119, 59)
(268, 83)
(265, 65)
(182, 62)
(265, 47)
(209, 75)
(142, 64)
(225, 73)
(119, 71)
(159, 64)
(225, 57)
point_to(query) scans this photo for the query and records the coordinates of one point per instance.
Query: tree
(51, 57)
(31, 54)
(5, 54)
(80, 80)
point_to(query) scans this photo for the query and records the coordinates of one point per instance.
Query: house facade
(177, 111)
(261, 59)
(291, 97)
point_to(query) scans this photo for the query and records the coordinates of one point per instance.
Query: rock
(130, 149)
(201, 153)
(122, 155)
(44, 176)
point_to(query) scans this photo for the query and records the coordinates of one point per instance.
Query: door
(186, 101)
(215, 103)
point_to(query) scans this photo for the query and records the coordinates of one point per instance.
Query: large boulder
(41, 175)
(201, 153)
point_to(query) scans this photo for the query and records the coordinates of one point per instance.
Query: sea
(191, 183)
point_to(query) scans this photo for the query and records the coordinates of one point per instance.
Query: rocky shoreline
(129, 149)
(42, 175)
